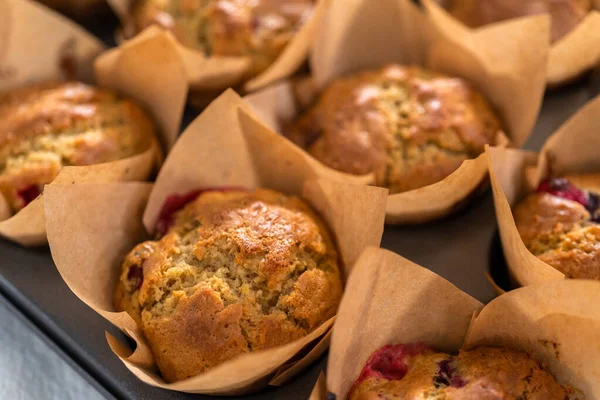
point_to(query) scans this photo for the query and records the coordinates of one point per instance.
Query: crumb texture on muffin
(236, 272)
(47, 126)
(486, 373)
(259, 29)
(558, 223)
(565, 14)
(409, 126)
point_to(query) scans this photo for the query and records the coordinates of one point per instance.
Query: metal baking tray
(461, 248)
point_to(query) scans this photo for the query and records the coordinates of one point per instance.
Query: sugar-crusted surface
(47, 126)
(485, 373)
(237, 272)
(565, 14)
(409, 126)
(560, 231)
(259, 29)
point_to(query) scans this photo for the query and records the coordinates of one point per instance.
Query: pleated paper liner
(572, 149)
(36, 45)
(148, 69)
(208, 76)
(569, 57)
(498, 60)
(390, 300)
(92, 226)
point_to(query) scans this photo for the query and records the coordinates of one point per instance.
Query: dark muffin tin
(461, 248)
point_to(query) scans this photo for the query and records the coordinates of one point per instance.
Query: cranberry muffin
(559, 224)
(47, 126)
(236, 272)
(258, 29)
(565, 14)
(414, 371)
(408, 126)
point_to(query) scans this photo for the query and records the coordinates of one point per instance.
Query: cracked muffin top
(414, 371)
(558, 223)
(408, 126)
(259, 29)
(565, 14)
(47, 126)
(236, 272)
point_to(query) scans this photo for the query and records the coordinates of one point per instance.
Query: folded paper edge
(26, 238)
(507, 228)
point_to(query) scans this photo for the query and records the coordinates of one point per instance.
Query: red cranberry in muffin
(416, 372)
(559, 224)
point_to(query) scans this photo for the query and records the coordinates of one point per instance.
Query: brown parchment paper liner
(148, 69)
(37, 44)
(55, 49)
(354, 35)
(568, 58)
(571, 149)
(226, 146)
(390, 300)
(210, 74)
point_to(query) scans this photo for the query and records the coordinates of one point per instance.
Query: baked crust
(485, 373)
(47, 126)
(565, 14)
(237, 272)
(562, 232)
(259, 29)
(409, 126)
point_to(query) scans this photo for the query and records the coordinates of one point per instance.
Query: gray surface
(31, 369)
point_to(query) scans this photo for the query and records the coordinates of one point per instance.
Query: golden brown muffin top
(259, 29)
(409, 126)
(559, 224)
(486, 373)
(46, 126)
(565, 14)
(242, 270)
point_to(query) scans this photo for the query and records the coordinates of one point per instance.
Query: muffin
(258, 29)
(408, 126)
(415, 371)
(565, 14)
(558, 223)
(236, 272)
(47, 126)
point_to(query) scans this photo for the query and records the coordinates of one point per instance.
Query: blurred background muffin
(45, 127)
(559, 224)
(236, 272)
(565, 14)
(408, 126)
(258, 29)
(414, 371)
